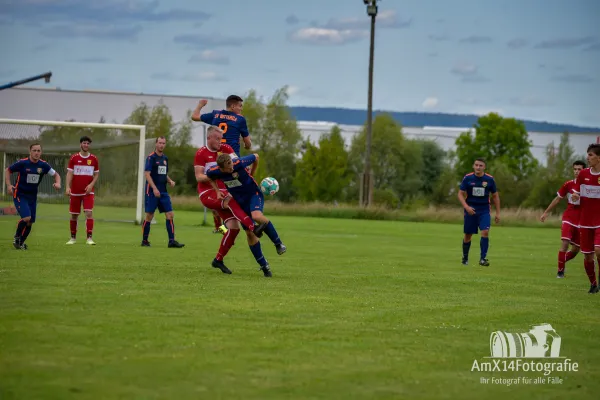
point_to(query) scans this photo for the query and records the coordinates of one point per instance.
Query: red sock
(73, 224)
(226, 243)
(217, 220)
(240, 215)
(562, 258)
(570, 255)
(89, 226)
(589, 270)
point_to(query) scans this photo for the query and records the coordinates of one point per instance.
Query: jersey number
(223, 126)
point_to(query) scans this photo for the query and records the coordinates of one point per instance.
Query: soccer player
(244, 189)
(587, 192)
(570, 221)
(157, 177)
(82, 175)
(31, 171)
(233, 125)
(474, 195)
(226, 208)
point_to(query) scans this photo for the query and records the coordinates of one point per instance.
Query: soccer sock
(272, 234)
(258, 254)
(26, 233)
(171, 230)
(89, 226)
(21, 225)
(589, 270)
(466, 248)
(570, 255)
(484, 243)
(240, 215)
(73, 225)
(226, 243)
(145, 230)
(216, 220)
(562, 258)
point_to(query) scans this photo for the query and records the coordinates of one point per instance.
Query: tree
(323, 173)
(497, 138)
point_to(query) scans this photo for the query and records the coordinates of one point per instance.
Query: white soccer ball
(269, 186)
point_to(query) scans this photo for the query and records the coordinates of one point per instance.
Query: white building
(90, 105)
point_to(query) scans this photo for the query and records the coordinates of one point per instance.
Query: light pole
(366, 192)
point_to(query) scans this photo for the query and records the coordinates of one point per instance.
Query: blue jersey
(233, 126)
(478, 190)
(158, 168)
(30, 176)
(240, 184)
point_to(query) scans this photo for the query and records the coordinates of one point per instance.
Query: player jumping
(570, 221)
(227, 208)
(234, 127)
(474, 195)
(82, 175)
(244, 189)
(31, 171)
(157, 177)
(587, 192)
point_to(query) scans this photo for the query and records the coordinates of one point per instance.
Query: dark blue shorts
(481, 221)
(26, 206)
(163, 203)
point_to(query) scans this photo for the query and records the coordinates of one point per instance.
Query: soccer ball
(269, 186)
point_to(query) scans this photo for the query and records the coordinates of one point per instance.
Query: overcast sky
(530, 59)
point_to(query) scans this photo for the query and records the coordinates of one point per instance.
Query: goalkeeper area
(121, 151)
(356, 309)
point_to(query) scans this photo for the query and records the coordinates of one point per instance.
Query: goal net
(121, 152)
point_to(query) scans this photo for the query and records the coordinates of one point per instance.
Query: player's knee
(169, 215)
(26, 219)
(485, 233)
(149, 217)
(232, 224)
(468, 237)
(88, 215)
(259, 216)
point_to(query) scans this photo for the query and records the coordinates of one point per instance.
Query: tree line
(407, 172)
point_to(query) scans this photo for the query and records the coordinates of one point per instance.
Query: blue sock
(272, 234)
(171, 230)
(466, 248)
(258, 254)
(146, 230)
(485, 244)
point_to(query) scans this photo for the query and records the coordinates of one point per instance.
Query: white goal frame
(142, 150)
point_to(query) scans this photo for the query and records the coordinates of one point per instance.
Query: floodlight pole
(367, 181)
(46, 76)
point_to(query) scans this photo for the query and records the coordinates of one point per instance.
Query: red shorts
(590, 238)
(570, 233)
(209, 200)
(76, 201)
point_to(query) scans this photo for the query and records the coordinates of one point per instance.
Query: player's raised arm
(198, 117)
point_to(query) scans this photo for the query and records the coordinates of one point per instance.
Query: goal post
(60, 139)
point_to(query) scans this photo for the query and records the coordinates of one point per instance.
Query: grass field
(355, 310)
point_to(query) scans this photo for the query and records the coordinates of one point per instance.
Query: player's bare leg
(89, 227)
(270, 230)
(174, 244)
(146, 229)
(484, 244)
(466, 246)
(73, 225)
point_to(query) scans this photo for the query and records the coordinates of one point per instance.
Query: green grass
(356, 309)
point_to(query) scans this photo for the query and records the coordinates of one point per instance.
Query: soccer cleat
(594, 289)
(281, 249)
(560, 274)
(259, 229)
(220, 265)
(90, 242)
(484, 262)
(174, 244)
(266, 271)
(145, 243)
(465, 261)
(16, 243)
(72, 241)
(222, 229)
(216, 231)
(24, 247)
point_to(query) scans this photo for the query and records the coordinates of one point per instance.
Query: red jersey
(83, 169)
(571, 214)
(588, 187)
(207, 158)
